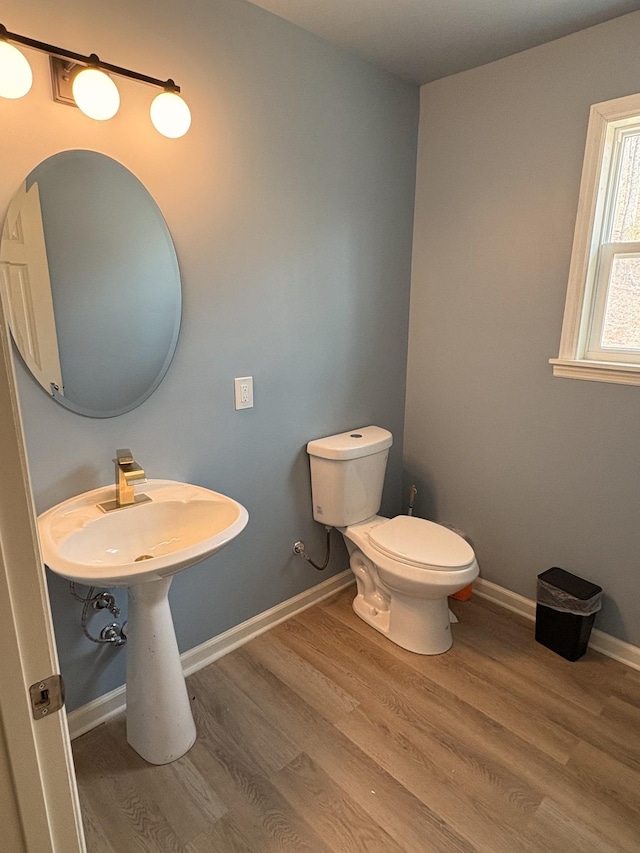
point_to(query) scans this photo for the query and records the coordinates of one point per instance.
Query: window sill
(597, 371)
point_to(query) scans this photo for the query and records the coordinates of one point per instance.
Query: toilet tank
(347, 475)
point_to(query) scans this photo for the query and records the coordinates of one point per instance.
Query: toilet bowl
(405, 567)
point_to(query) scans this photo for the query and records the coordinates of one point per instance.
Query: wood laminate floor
(321, 735)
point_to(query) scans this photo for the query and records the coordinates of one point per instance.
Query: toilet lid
(421, 543)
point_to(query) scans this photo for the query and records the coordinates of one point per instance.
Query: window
(601, 327)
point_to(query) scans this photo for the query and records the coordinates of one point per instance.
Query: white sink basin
(181, 525)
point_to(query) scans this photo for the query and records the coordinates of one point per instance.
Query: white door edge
(40, 771)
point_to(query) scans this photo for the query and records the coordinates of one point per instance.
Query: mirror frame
(174, 278)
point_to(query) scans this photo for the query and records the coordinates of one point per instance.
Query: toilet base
(420, 625)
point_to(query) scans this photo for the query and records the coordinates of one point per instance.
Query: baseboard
(215, 648)
(87, 717)
(100, 710)
(600, 642)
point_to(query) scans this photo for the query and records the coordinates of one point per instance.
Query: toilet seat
(421, 543)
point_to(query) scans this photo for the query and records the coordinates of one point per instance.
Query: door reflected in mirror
(90, 283)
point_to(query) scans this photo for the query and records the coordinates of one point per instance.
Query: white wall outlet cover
(243, 390)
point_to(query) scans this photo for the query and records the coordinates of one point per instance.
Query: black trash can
(565, 611)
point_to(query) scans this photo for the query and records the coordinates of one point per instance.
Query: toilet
(405, 567)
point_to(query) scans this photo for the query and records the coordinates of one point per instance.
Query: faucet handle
(124, 456)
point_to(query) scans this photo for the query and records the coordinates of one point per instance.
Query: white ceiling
(423, 40)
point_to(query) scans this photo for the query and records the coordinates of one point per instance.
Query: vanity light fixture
(86, 82)
(95, 93)
(15, 72)
(170, 115)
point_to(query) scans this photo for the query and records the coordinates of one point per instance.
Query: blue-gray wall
(290, 202)
(539, 471)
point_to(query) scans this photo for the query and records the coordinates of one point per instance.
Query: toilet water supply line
(298, 549)
(412, 496)
(113, 633)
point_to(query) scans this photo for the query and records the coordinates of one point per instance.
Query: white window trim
(571, 363)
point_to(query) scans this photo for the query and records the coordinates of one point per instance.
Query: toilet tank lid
(351, 444)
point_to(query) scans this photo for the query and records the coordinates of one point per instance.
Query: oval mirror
(90, 283)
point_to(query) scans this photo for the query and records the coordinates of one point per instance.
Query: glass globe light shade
(96, 94)
(15, 72)
(170, 115)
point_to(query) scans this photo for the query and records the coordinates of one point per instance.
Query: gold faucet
(128, 475)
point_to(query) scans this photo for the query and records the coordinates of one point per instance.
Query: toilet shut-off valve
(298, 550)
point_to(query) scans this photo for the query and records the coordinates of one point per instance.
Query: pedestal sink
(142, 547)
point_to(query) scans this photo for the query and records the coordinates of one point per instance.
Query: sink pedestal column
(160, 724)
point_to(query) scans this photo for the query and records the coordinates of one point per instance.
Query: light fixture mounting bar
(91, 60)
